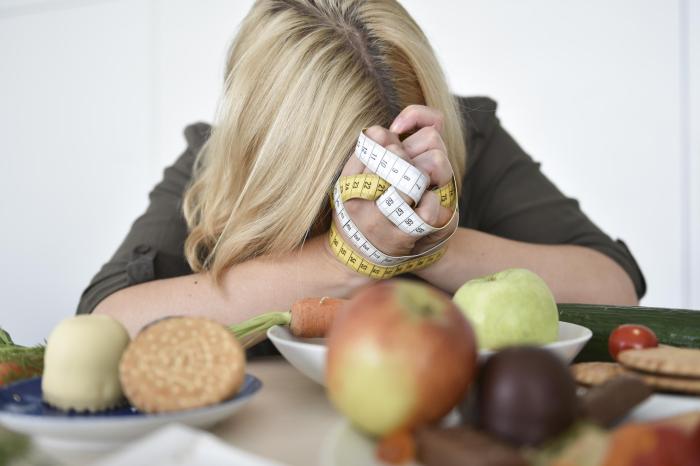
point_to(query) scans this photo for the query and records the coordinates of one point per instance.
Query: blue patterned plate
(22, 410)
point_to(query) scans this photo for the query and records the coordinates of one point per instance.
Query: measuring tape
(392, 175)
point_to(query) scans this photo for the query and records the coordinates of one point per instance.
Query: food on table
(18, 362)
(631, 336)
(525, 395)
(463, 446)
(511, 307)
(666, 360)
(584, 444)
(181, 363)
(313, 317)
(400, 354)
(308, 318)
(608, 403)
(595, 373)
(81, 363)
(397, 448)
(648, 444)
(664, 368)
(666, 383)
(671, 326)
(638, 444)
(12, 371)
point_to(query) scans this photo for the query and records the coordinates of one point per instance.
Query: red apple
(400, 354)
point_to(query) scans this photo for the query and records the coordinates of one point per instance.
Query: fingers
(416, 117)
(423, 140)
(436, 165)
(391, 142)
(431, 211)
(383, 137)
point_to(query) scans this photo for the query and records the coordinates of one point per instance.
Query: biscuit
(666, 360)
(181, 363)
(671, 384)
(595, 373)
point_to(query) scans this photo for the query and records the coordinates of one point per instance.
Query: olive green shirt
(504, 193)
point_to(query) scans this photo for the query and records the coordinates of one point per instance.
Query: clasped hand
(424, 149)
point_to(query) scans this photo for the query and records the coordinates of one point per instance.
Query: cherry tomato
(631, 336)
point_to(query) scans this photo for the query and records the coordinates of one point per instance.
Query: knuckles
(378, 134)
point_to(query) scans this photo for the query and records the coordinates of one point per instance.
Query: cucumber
(677, 327)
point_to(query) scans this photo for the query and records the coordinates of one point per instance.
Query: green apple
(511, 307)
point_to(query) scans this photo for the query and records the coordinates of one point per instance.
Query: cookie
(595, 373)
(663, 360)
(181, 363)
(671, 384)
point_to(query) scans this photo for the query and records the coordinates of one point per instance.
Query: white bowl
(308, 355)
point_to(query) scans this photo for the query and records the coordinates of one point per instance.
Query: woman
(239, 224)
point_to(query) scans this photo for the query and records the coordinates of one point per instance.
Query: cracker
(181, 363)
(595, 373)
(670, 384)
(663, 360)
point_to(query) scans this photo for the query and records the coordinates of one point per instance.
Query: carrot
(18, 362)
(312, 317)
(308, 318)
(397, 448)
(12, 371)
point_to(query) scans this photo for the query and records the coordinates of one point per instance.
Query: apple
(511, 307)
(400, 354)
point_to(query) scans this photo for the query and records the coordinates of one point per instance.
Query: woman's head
(303, 77)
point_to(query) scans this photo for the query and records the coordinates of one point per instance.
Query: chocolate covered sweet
(525, 396)
(608, 403)
(462, 446)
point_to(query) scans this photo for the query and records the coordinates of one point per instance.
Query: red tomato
(631, 336)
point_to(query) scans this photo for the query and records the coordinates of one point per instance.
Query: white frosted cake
(81, 363)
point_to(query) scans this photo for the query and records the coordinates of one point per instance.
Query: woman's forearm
(574, 273)
(248, 289)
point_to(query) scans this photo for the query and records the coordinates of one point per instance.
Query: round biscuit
(663, 360)
(181, 363)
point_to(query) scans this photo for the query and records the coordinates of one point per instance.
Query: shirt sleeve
(505, 193)
(154, 247)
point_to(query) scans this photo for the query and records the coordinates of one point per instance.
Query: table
(286, 421)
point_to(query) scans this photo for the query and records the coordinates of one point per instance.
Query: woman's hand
(372, 223)
(425, 150)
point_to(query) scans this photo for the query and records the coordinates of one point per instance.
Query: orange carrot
(312, 317)
(397, 448)
(308, 318)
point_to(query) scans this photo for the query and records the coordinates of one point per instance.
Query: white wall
(94, 96)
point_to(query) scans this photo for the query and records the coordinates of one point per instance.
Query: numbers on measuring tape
(361, 265)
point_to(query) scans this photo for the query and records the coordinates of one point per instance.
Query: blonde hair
(303, 77)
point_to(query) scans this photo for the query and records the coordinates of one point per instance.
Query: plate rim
(255, 384)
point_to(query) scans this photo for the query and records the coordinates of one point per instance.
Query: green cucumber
(677, 327)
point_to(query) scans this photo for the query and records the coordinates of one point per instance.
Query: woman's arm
(250, 288)
(574, 273)
(512, 215)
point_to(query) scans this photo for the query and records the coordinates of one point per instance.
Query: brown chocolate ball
(525, 396)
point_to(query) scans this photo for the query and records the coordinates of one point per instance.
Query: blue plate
(22, 410)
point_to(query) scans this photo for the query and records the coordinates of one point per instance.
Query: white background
(94, 96)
